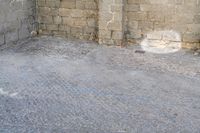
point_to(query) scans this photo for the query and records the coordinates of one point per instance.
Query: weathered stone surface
(16, 19)
(147, 16)
(73, 18)
(109, 21)
(113, 21)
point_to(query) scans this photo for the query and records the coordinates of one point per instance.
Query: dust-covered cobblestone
(50, 85)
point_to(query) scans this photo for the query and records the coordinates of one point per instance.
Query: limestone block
(52, 27)
(68, 21)
(91, 22)
(105, 34)
(116, 35)
(69, 4)
(91, 5)
(155, 35)
(80, 23)
(191, 37)
(41, 3)
(64, 12)
(65, 28)
(57, 19)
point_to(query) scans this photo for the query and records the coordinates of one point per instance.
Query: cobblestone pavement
(50, 85)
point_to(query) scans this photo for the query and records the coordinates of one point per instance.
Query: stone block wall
(111, 22)
(117, 22)
(17, 20)
(146, 16)
(68, 18)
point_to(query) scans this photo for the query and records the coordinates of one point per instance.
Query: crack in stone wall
(111, 22)
(113, 14)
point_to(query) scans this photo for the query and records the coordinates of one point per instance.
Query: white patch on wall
(162, 42)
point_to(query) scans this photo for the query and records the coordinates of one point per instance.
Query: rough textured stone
(50, 85)
(16, 19)
(181, 16)
(71, 18)
(112, 22)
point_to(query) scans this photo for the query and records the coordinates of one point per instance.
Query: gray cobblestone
(50, 85)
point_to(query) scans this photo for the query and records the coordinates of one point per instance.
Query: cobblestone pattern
(182, 16)
(68, 18)
(17, 19)
(100, 90)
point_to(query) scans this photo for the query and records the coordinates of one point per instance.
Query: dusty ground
(50, 85)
